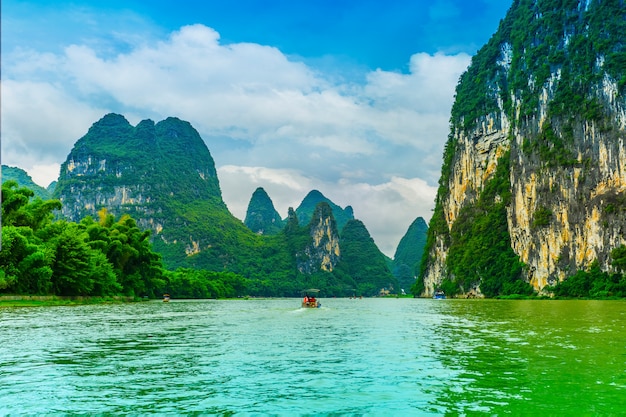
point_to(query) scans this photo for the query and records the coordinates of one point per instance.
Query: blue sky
(348, 97)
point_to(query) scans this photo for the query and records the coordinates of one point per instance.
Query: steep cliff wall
(548, 94)
(322, 253)
(161, 174)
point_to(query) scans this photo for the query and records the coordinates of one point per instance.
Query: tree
(618, 256)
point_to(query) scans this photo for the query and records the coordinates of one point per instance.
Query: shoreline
(59, 300)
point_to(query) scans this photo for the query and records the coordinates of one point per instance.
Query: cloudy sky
(351, 98)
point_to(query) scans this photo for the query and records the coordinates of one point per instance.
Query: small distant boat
(166, 298)
(310, 301)
(439, 295)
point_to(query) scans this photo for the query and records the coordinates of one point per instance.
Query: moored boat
(439, 295)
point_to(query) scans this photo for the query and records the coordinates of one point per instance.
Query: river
(387, 357)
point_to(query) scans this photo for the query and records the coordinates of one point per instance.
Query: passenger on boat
(306, 299)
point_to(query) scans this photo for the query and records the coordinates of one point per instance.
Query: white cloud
(387, 209)
(285, 187)
(41, 174)
(376, 146)
(40, 123)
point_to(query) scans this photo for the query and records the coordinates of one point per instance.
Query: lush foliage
(438, 226)
(23, 179)
(564, 51)
(307, 207)
(192, 283)
(543, 38)
(108, 257)
(363, 262)
(163, 175)
(406, 260)
(261, 216)
(103, 257)
(480, 252)
(43, 256)
(595, 283)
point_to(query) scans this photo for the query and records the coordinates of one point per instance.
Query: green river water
(387, 357)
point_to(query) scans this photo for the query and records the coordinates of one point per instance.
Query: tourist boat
(166, 298)
(310, 301)
(439, 295)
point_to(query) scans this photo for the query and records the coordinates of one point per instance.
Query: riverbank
(57, 300)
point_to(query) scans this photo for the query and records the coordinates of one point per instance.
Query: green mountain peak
(307, 207)
(261, 216)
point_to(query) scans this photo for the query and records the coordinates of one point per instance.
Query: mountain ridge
(163, 175)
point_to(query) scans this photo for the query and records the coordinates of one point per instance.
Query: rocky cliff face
(547, 94)
(322, 253)
(161, 174)
(164, 177)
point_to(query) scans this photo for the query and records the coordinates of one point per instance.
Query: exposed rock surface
(161, 174)
(323, 252)
(548, 92)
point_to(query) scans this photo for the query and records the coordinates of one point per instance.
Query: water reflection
(517, 357)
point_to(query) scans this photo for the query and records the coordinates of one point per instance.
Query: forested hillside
(155, 186)
(408, 255)
(530, 194)
(261, 216)
(22, 178)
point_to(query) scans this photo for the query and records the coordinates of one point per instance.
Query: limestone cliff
(546, 97)
(322, 253)
(161, 174)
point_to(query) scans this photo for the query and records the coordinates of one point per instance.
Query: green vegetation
(163, 175)
(544, 38)
(363, 262)
(593, 282)
(406, 260)
(542, 217)
(563, 51)
(46, 257)
(307, 207)
(23, 179)
(554, 148)
(480, 252)
(479, 244)
(109, 257)
(191, 283)
(438, 226)
(261, 216)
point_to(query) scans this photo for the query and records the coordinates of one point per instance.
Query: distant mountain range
(163, 175)
(23, 179)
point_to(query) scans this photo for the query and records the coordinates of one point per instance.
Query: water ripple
(269, 357)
